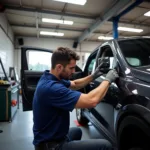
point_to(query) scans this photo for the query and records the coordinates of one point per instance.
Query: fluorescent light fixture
(147, 14)
(57, 21)
(105, 38)
(130, 29)
(51, 33)
(77, 2)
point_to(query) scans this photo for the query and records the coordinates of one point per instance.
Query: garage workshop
(75, 75)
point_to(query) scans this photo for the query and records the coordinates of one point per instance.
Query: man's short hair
(63, 55)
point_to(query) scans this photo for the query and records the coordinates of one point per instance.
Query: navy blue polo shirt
(51, 105)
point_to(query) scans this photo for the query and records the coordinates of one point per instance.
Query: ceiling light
(147, 14)
(51, 33)
(78, 2)
(105, 38)
(57, 21)
(130, 29)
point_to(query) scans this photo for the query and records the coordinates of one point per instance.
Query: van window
(133, 61)
(136, 51)
(39, 60)
(91, 65)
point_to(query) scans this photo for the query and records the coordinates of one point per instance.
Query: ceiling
(25, 18)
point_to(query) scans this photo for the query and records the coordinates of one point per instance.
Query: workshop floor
(18, 135)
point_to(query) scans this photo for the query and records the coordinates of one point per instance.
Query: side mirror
(105, 64)
(105, 61)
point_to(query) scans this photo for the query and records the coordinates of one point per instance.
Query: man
(55, 97)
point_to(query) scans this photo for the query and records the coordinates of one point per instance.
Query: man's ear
(59, 67)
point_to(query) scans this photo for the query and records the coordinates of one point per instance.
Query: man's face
(68, 70)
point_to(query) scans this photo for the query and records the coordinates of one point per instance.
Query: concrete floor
(18, 135)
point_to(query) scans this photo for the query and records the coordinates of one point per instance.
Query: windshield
(136, 51)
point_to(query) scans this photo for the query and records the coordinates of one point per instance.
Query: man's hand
(111, 76)
(97, 72)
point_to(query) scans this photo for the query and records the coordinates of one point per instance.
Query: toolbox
(8, 94)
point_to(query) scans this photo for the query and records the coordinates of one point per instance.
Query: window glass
(3, 57)
(91, 65)
(133, 61)
(39, 60)
(136, 51)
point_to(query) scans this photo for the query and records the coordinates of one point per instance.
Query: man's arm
(95, 96)
(80, 83)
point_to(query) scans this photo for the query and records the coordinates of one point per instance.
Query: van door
(34, 62)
